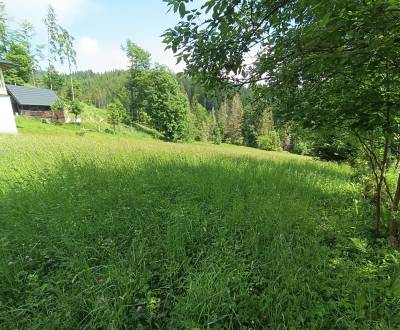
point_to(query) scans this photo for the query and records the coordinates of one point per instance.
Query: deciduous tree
(115, 114)
(50, 22)
(66, 52)
(139, 62)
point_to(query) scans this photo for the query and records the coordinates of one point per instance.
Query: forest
(257, 189)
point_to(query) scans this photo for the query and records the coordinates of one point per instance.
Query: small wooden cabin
(34, 102)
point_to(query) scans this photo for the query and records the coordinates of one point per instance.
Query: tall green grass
(102, 231)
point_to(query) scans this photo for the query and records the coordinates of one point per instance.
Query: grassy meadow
(102, 231)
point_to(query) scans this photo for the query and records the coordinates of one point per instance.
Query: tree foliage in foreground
(327, 65)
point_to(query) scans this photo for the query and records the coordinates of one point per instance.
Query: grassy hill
(102, 231)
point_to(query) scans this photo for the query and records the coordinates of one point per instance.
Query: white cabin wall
(7, 120)
(3, 90)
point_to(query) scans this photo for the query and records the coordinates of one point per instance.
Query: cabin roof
(32, 96)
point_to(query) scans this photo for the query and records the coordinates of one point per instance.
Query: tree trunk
(34, 78)
(49, 72)
(378, 202)
(72, 89)
(72, 83)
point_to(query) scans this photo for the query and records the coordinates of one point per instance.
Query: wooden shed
(34, 102)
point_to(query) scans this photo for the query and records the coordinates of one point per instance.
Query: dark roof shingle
(32, 96)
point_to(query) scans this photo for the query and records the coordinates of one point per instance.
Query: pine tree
(215, 129)
(201, 121)
(235, 121)
(224, 120)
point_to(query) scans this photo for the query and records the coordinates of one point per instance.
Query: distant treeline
(98, 89)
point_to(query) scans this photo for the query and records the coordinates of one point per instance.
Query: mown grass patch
(102, 231)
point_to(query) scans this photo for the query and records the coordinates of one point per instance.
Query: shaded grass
(119, 232)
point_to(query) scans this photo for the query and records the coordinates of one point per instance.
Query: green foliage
(21, 73)
(76, 108)
(66, 52)
(53, 80)
(140, 233)
(197, 93)
(148, 130)
(139, 63)
(333, 147)
(251, 119)
(259, 130)
(138, 58)
(165, 104)
(100, 89)
(145, 119)
(50, 21)
(318, 57)
(60, 105)
(270, 142)
(115, 114)
(216, 130)
(313, 60)
(66, 89)
(302, 147)
(235, 121)
(201, 121)
(3, 30)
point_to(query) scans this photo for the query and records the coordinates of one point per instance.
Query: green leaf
(182, 9)
(359, 244)
(396, 287)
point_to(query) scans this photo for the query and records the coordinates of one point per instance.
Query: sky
(100, 27)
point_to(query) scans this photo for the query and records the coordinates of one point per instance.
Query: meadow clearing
(102, 231)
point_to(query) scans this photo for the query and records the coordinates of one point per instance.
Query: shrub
(270, 142)
(116, 114)
(59, 105)
(301, 147)
(333, 148)
(76, 108)
(144, 118)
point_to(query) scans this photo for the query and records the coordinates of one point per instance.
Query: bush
(59, 105)
(333, 148)
(237, 140)
(144, 118)
(301, 147)
(116, 114)
(270, 142)
(76, 108)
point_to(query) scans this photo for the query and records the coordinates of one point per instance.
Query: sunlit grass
(103, 231)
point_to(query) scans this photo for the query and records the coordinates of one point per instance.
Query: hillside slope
(102, 231)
